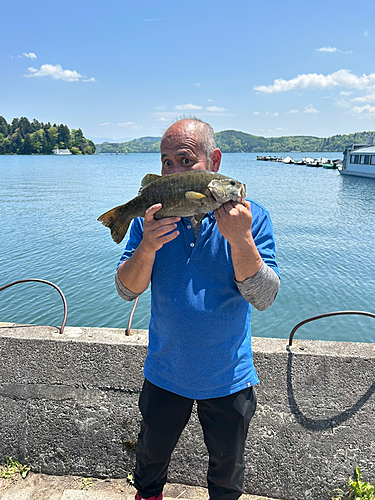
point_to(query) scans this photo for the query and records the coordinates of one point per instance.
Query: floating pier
(308, 162)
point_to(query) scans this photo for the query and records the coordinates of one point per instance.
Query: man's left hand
(234, 222)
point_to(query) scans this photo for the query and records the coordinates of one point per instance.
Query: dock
(308, 162)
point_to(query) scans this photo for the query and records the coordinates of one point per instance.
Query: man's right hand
(155, 232)
(135, 272)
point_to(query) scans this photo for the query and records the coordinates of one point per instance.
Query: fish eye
(233, 183)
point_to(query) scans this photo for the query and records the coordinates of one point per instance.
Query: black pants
(224, 421)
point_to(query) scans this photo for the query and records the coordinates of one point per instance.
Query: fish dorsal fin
(147, 179)
(194, 196)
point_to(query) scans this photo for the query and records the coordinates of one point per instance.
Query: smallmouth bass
(186, 194)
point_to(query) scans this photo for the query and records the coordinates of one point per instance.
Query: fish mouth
(212, 197)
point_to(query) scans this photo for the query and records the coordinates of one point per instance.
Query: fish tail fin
(118, 221)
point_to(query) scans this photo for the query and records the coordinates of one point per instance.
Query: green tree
(51, 139)
(4, 127)
(24, 126)
(38, 142)
(5, 145)
(63, 136)
(26, 148)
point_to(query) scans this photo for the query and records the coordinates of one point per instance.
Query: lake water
(324, 228)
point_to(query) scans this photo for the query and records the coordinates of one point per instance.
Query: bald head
(201, 132)
(189, 144)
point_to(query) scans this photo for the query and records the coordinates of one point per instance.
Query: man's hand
(135, 272)
(155, 232)
(234, 223)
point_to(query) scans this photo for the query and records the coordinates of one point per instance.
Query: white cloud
(187, 106)
(341, 103)
(126, 124)
(341, 78)
(197, 84)
(92, 79)
(162, 119)
(343, 92)
(30, 55)
(282, 129)
(365, 33)
(57, 73)
(366, 110)
(160, 107)
(272, 114)
(215, 108)
(256, 112)
(365, 98)
(327, 49)
(210, 100)
(293, 111)
(334, 49)
(310, 109)
(104, 124)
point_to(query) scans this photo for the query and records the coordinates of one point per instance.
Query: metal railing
(325, 315)
(47, 283)
(128, 331)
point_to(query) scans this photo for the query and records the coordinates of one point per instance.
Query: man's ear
(215, 160)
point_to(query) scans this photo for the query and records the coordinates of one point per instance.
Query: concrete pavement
(46, 487)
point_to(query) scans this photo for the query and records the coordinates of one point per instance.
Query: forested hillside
(24, 137)
(233, 141)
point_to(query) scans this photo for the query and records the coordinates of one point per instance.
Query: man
(203, 280)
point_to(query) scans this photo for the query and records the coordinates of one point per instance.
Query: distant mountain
(100, 140)
(142, 145)
(234, 141)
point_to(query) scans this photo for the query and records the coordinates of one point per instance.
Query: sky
(122, 70)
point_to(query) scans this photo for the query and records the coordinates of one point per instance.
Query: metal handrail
(326, 315)
(47, 283)
(127, 331)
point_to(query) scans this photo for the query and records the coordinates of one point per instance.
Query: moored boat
(61, 152)
(359, 159)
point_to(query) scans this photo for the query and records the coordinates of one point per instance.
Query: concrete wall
(68, 405)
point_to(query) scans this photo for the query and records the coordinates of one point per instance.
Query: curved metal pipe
(326, 315)
(127, 331)
(47, 283)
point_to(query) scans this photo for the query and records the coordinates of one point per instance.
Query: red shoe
(139, 497)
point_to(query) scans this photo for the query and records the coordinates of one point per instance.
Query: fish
(185, 194)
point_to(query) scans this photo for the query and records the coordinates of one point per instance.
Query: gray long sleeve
(261, 289)
(124, 292)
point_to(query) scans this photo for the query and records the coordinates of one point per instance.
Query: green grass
(357, 489)
(86, 483)
(12, 468)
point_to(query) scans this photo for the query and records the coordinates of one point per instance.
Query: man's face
(180, 151)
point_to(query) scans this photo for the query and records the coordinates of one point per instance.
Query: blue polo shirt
(199, 332)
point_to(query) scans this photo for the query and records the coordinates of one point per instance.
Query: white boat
(288, 160)
(359, 159)
(61, 152)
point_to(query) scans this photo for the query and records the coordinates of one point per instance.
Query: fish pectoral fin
(194, 196)
(147, 179)
(196, 219)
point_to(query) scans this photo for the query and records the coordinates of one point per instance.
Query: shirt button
(189, 226)
(192, 244)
